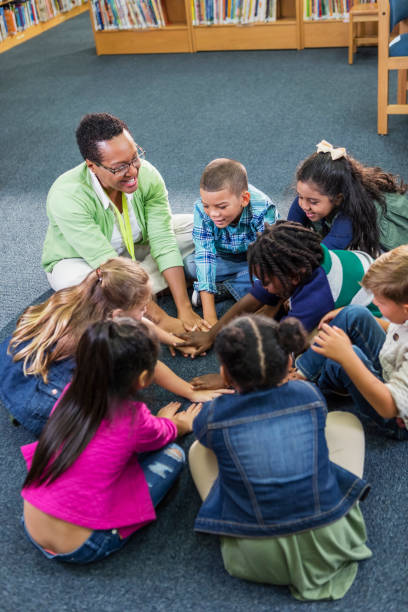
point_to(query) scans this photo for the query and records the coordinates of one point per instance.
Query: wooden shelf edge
(279, 22)
(36, 30)
(168, 28)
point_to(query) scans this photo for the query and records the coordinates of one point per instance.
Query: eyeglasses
(141, 154)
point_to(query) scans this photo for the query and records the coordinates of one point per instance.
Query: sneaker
(221, 295)
(195, 298)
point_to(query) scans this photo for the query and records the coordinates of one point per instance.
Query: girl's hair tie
(99, 274)
(326, 147)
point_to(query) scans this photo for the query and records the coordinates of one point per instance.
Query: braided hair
(287, 251)
(255, 350)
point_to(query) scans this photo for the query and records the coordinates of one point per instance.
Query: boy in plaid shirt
(227, 217)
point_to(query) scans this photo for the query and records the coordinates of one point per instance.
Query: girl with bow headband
(351, 205)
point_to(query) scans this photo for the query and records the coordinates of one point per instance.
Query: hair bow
(326, 147)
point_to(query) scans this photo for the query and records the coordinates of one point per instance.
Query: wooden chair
(392, 56)
(361, 14)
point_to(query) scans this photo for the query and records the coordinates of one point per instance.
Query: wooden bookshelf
(35, 30)
(176, 37)
(283, 33)
(289, 31)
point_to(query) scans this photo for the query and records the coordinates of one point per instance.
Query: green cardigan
(80, 226)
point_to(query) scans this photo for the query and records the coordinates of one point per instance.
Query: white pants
(69, 272)
(345, 441)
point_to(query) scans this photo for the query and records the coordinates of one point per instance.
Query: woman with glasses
(115, 203)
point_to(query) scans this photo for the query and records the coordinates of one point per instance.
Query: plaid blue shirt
(210, 241)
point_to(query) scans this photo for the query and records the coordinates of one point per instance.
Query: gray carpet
(266, 108)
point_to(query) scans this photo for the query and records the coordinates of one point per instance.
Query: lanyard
(124, 226)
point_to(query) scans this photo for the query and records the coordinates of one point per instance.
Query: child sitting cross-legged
(293, 268)
(280, 482)
(350, 205)
(103, 461)
(227, 218)
(353, 352)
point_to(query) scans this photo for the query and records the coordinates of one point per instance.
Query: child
(227, 217)
(36, 363)
(293, 266)
(350, 205)
(354, 354)
(86, 490)
(288, 515)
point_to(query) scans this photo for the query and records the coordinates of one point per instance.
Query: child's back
(290, 513)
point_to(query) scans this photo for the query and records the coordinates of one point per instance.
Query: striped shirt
(229, 242)
(335, 283)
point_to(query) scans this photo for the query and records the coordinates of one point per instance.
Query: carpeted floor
(267, 109)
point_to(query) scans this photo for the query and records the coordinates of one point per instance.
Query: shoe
(221, 295)
(195, 298)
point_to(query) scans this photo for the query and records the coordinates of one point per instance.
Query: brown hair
(52, 329)
(388, 275)
(223, 173)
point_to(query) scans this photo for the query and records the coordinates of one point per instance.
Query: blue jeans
(161, 469)
(367, 338)
(234, 275)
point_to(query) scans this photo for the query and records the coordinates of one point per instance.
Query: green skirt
(317, 564)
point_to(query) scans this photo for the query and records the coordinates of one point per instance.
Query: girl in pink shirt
(88, 487)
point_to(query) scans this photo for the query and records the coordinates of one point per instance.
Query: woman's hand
(207, 381)
(333, 343)
(183, 419)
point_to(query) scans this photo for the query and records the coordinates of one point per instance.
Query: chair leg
(382, 96)
(350, 41)
(402, 86)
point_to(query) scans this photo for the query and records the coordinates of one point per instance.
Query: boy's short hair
(388, 275)
(223, 173)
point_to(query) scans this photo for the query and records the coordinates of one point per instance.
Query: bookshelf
(280, 33)
(174, 37)
(328, 31)
(34, 30)
(189, 28)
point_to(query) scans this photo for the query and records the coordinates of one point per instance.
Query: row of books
(128, 14)
(19, 15)
(329, 9)
(208, 12)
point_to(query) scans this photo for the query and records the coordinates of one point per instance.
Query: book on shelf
(329, 9)
(18, 15)
(217, 12)
(127, 14)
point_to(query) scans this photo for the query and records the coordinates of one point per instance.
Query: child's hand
(207, 381)
(192, 321)
(333, 343)
(203, 395)
(198, 340)
(328, 317)
(177, 343)
(183, 419)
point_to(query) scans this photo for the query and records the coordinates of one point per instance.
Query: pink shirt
(105, 487)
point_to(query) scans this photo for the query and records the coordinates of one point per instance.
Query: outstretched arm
(202, 341)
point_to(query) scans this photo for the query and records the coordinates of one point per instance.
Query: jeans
(367, 338)
(161, 469)
(234, 275)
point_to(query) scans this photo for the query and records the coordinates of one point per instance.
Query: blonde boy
(227, 217)
(354, 353)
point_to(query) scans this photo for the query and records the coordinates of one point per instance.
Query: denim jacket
(275, 477)
(28, 398)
